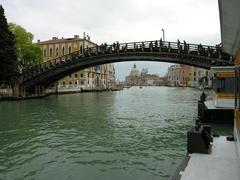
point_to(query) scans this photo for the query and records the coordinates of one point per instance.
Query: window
(70, 75)
(81, 75)
(70, 82)
(69, 50)
(50, 52)
(76, 75)
(75, 83)
(57, 51)
(63, 83)
(63, 51)
(45, 53)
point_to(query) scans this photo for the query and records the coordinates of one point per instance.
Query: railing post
(160, 45)
(151, 46)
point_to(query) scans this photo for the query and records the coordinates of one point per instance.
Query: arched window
(69, 50)
(57, 51)
(63, 51)
(45, 52)
(50, 52)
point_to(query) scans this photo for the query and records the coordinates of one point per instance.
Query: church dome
(135, 71)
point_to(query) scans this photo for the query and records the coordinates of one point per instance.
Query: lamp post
(83, 42)
(163, 34)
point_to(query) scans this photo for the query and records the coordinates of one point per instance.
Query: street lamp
(163, 34)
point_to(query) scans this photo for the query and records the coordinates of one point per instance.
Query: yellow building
(97, 77)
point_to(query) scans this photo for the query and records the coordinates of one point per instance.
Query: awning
(230, 25)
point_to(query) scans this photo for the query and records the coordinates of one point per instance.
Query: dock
(223, 163)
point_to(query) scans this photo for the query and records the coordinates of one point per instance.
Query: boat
(220, 108)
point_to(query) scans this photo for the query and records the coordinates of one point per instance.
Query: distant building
(201, 78)
(184, 75)
(137, 78)
(173, 75)
(97, 77)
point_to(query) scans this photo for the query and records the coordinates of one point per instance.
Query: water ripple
(131, 134)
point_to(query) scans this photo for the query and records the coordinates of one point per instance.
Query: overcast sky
(196, 21)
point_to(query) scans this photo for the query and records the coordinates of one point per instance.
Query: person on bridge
(151, 45)
(105, 46)
(117, 46)
(161, 42)
(97, 47)
(143, 46)
(156, 44)
(209, 51)
(101, 47)
(218, 48)
(178, 43)
(114, 46)
(185, 46)
(200, 48)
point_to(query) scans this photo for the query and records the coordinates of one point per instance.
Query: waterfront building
(178, 75)
(184, 75)
(97, 77)
(173, 79)
(202, 78)
(143, 78)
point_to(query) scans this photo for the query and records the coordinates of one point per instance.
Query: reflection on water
(131, 134)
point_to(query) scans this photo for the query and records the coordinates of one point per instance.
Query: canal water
(134, 134)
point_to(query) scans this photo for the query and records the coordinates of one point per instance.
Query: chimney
(54, 38)
(76, 36)
(38, 40)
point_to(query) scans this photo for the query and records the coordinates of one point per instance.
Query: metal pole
(163, 34)
(83, 42)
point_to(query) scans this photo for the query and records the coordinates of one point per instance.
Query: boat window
(223, 85)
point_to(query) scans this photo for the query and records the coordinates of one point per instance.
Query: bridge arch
(158, 51)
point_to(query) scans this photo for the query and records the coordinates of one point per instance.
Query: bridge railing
(151, 46)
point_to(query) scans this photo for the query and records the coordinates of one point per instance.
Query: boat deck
(209, 104)
(222, 164)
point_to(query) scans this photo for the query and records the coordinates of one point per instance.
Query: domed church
(134, 71)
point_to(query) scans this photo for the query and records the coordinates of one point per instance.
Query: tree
(28, 53)
(8, 58)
